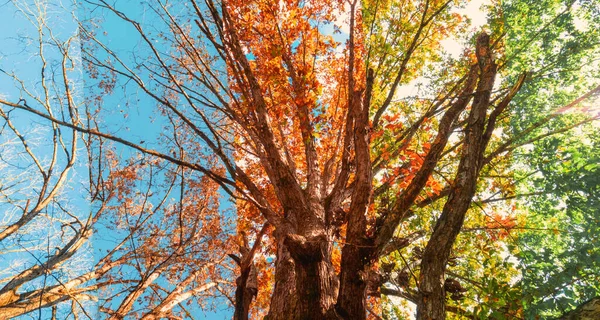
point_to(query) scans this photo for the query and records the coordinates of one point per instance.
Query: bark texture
(432, 304)
(589, 310)
(283, 300)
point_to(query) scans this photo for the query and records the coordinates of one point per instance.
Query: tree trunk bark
(245, 292)
(306, 285)
(351, 303)
(586, 311)
(358, 250)
(432, 297)
(316, 281)
(283, 300)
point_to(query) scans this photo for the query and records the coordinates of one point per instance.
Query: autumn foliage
(299, 160)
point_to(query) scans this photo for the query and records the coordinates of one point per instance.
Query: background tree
(557, 171)
(82, 234)
(553, 41)
(566, 255)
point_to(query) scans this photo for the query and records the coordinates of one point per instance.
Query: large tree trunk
(246, 290)
(353, 288)
(306, 285)
(316, 281)
(358, 250)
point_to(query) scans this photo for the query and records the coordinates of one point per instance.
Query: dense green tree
(558, 172)
(561, 261)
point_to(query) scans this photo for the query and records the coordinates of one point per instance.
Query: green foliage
(562, 263)
(556, 41)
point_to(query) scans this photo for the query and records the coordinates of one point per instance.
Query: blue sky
(20, 61)
(129, 115)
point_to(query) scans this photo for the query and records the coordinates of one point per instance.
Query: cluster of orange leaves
(499, 226)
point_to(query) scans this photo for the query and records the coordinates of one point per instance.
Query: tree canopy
(323, 159)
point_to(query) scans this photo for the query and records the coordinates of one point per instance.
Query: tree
(566, 255)
(151, 252)
(558, 173)
(330, 169)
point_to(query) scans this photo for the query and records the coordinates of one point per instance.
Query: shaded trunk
(316, 282)
(358, 250)
(432, 298)
(247, 282)
(353, 283)
(587, 310)
(306, 285)
(245, 292)
(283, 300)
